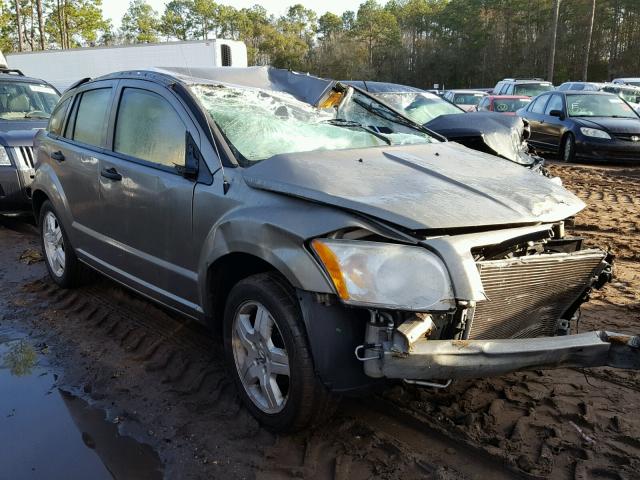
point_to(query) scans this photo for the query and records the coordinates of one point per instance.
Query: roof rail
(10, 71)
(78, 83)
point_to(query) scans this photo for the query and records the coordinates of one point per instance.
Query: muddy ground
(99, 383)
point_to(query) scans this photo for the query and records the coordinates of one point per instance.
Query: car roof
(580, 82)
(507, 97)
(460, 90)
(12, 77)
(525, 80)
(382, 87)
(304, 87)
(581, 92)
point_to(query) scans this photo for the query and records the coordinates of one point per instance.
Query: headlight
(386, 275)
(5, 161)
(594, 132)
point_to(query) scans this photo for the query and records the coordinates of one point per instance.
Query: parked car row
(335, 241)
(569, 121)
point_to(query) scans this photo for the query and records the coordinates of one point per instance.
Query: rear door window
(148, 128)
(555, 103)
(91, 118)
(538, 105)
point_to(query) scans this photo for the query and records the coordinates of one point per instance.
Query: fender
(47, 182)
(275, 231)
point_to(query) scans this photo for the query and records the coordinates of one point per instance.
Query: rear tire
(62, 263)
(568, 148)
(268, 355)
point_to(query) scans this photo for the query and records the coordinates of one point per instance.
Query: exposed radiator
(526, 296)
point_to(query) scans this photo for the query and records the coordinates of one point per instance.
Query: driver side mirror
(557, 113)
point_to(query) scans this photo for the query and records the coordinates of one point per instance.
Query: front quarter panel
(267, 225)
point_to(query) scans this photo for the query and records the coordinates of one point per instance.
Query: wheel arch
(38, 197)
(223, 274)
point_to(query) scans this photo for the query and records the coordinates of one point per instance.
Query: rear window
(507, 105)
(467, 98)
(532, 89)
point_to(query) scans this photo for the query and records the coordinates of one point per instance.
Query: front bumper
(451, 359)
(13, 195)
(614, 150)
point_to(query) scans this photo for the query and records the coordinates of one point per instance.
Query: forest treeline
(458, 43)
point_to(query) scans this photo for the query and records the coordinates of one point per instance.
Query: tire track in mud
(404, 433)
(175, 360)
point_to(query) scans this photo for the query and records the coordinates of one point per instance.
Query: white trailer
(62, 68)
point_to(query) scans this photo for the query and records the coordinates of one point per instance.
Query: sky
(114, 9)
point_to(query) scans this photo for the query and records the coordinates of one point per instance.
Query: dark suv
(335, 243)
(25, 106)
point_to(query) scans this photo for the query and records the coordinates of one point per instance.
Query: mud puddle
(46, 432)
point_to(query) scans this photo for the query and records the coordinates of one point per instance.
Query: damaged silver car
(332, 242)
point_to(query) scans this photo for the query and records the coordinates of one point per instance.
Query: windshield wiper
(340, 122)
(36, 116)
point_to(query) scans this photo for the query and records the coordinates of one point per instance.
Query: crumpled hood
(434, 186)
(613, 125)
(501, 134)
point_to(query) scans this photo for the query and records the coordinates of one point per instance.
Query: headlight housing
(386, 275)
(595, 133)
(5, 161)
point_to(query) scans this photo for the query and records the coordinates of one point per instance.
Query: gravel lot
(102, 379)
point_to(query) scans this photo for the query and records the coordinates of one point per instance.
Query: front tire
(267, 354)
(568, 148)
(62, 263)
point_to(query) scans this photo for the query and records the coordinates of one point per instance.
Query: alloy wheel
(54, 244)
(260, 357)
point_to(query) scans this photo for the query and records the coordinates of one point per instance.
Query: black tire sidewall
(67, 278)
(285, 318)
(568, 139)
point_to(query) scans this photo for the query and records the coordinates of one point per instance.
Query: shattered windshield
(508, 105)
(20, 100)
(419, 107)
(259, 124)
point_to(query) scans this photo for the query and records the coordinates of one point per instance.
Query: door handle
(58, 156)
(111, 174)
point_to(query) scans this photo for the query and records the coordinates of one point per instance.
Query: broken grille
(24, 157)
(526, 296)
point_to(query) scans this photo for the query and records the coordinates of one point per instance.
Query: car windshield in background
(505, 105)
(629, 94)
(262, 123)
(532, 89)
(467, 98)
(598, 106)
(419, 107)
(20, 100)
